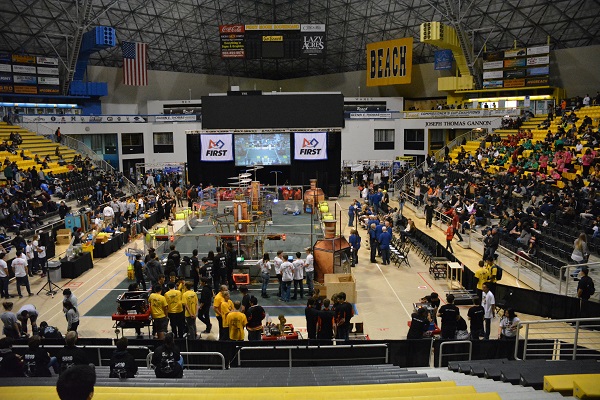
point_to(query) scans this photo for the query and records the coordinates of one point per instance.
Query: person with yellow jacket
(236, 321)
(225, 309)
(190, 303)
(158, 310)
(175, 308)
(218, 300)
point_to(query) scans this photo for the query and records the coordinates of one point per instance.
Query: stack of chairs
(399, 251)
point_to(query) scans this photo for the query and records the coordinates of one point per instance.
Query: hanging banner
(24, 69)
(23, 59)
(538, 60)
(313, 40)
(232, 41)
(493, 64)
(514, 53)
(6, 78)
(492, 84)
(515, 62)
(47, 60)
(47, 71)
(310, 146)
(542, 81)
(533, 51)
(45, 80)
(442, 60)
(514, 73)
(492, 75)
(389, 62)
(493, 56)
(538, 71)
(216, 148)
(5, 68)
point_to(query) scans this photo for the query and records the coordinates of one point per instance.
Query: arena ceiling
(183, 35)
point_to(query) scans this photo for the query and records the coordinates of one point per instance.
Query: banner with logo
(514, 74)
(538, 71)
(492, 84)
(515, 62)
(533, 51)
(81, 118)
(493, 64)
(467, 113)
(216, 148)
(514, 53)
(492, 75)
(47, 60)
(47, 71)
(442, 60)
(313, 40)
(493, 56)
(176, 118)
(27, 79)
(389, 62)
(232, 41)
(6, 78)
(310, 146)
(538, 60)
(5, 68)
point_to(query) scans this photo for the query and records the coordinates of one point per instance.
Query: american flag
(135, 72)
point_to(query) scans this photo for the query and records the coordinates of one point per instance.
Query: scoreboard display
(272, 41)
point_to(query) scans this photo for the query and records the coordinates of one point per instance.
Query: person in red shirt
(455, 225)
(449, 237)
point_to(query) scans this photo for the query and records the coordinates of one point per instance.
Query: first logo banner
(389, 62)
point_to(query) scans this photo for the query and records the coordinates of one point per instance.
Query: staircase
(76, 45)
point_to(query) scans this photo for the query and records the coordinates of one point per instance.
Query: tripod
(51, 285)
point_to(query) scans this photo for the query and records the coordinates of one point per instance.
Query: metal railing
(569, 338)
(193, 353)
(290, 349)
(440, 155)
(96, 347)
(81, 148)
(519, 266)
(454, 343)
(566, 270)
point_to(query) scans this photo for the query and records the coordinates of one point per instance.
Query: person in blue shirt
(354, 240)
(384, 244)
(351, 211)
(373, 241)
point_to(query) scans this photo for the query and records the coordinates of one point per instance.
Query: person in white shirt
(265, 274)
(509, 324)
(19, 266)
(4, 277)
(277, 261)
(489, 307)
(287, 276)
(30, 257)
(150, 181)
(309, 271)
(41, 252)
(586, 100)
(298, 272)
(70, 297)
(109, 214)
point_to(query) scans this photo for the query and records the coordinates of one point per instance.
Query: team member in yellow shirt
(190, 303)
(159, 309)
(226, 308)
(176, 317)
(236, 321)
(217, 308)
(482, 275)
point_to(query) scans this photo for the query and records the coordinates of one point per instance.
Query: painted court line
(393, 291)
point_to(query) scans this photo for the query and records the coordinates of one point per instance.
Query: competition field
(263, 156)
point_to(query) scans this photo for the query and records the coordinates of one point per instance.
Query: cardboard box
(63, 236)
(346, 283)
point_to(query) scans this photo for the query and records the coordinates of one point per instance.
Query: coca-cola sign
(237, 28)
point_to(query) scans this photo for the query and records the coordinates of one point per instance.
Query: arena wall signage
(533, 51)
(492, 84)
(370, 115)
(493, 64)
(491, 112)
(310, 146)
(175, 118)
(514, 53)
(82, 118)
(492, 74)
(389, 62)
(216, 148)
(5, 68)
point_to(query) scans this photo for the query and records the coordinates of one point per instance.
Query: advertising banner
(5, 68)
(492, 75)
(175, 118)
(25, 89)
(310, 146)
(216, 148)
(23, 59)
(48, 90)
(493, 64)
(47, 60)
(515, 62)
(313, 40)
(4, 78)
(492, 84)
(541, 81)
(24, 69)
(5, 58)
(46, 80)
(6, 88)
(273, 27)
(512, 83)
(488, 112)
(47, 71)
(389, 62)
(514, 73)
(538, 60)
(493, 56)
(370, 115)
(514, 53)
(27, 79)
(533, 51)
(443, 60)
(83, 118)
(538, 71)
(232, 41)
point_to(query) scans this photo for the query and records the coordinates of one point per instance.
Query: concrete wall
(578, 70)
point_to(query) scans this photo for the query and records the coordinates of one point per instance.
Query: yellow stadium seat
(565, 383)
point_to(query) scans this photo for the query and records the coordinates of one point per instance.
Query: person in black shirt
(76, 383)
(585, 289)
(11, 364)
(245, 299)
(195, 269)
(122, 363)
(167, 360)
(71, 355)
(231, 261)
(36, 359)
(419, 324)
(325, 322)
(255, 315)
(220, 268)
(138, 270)
(176, 257)
(428, 214)
(49, 332)
(449, 314)
(205, 303)
(312, 315)
(343, 314)
(475, 315)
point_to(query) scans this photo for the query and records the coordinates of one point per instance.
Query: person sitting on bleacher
(71, 355)
(122, 363)
(166, 359)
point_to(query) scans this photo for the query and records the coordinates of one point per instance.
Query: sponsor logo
(312, 28)
(215, 149)
(231, 28)
(309, 147)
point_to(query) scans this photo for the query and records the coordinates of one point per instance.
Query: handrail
(519, 265)
(454, 342)
(97, 347)
(554, 347)
(80, 147)
(192, 353)
(309, 347)
(567, 273)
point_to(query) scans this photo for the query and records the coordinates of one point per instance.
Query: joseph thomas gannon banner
(217, 147)
(310, 146)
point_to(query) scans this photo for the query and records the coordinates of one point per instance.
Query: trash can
(54, 271)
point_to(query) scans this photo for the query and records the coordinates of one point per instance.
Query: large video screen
(262, 149)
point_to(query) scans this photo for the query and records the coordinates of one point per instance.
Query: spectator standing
(68, 296)
(12, 328)
(19, 266)
(175, 310)
(122, 364)
(343, 314)
(31, 259)
(218, 300)
(585, 289)
(287, 276)
(373, 241)
(476, 315)
(190, 303)
(138, 270)
(428, 214)
(309, 271)
(58, 135)
(384, 239)
(483, 275)
(72, 317)
(167, 360)
(255, 315)
(488, 302)
(325, 322)
(298, 272)
(154, 269)
(204, 303)
(231, 262)
(449, 316)
(312, 315)
(71, 355)
(354, 241)
(581, 251)
(195, 269)
(41, 254)
(449, 237)
(224, 310)
(159, 309)
(278, 261)
(4, 277)
(236, 321)
(25, 313)
(265, 274)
